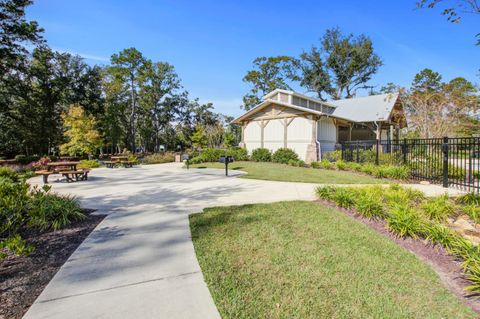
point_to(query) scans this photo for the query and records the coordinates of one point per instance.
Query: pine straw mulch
(23, 278)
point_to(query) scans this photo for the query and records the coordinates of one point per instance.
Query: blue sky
(213, 43)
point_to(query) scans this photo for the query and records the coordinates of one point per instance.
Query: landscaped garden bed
(449, 223)
(305, 260)
(23, 277)
(39, 230)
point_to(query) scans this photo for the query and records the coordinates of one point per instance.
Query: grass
(285, 173)
(303, 260)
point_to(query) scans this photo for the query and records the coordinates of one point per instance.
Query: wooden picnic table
(54, 165)
(119, 158)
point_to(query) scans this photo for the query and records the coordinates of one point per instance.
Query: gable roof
(366, 109)
(374, 108)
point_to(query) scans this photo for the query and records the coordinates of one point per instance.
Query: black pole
(445, 161)
(376, 153)
(404, 150)
(226, 167)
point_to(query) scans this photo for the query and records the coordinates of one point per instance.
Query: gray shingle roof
(365, 109)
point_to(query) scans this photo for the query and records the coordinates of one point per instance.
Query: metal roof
(366, 109)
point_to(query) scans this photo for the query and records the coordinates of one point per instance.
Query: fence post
(376, 153)
(404, 151)
(445, 161)
(358, 153)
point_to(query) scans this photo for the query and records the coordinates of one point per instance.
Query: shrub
(261, 155)
(8, 173)
(213, 154)
(325, 192)
(368, 169)
(344, 197)
(52, 211)
(334, 156)
(370, 205)
(315, 164)
(473, 211)
(438, 208)
(470, 198)
(283, 155)
(357, 167)
(341, 165)
(159, 158)
(41, 163)
(440, 235)
(396, 194)
(22, 207)
(88, 164)
(399, 172)
(404, 221)
(326, 164)
(24, 159)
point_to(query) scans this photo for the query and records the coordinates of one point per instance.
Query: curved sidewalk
(140, 261)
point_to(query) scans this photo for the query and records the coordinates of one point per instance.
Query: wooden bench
(127, 163)
(45, 175)
(72, 176)
(110, 164)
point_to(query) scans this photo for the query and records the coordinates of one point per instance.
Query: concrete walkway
(140, 261)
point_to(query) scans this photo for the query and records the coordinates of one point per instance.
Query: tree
(268, 74)
(126, 71)
(452, 12)
(80, 129)
(427, 81)
(199, 138)
(15, 32)
(437, 109)
(342, 65)
(158, 99)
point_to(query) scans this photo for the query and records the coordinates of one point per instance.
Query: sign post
(226, 160)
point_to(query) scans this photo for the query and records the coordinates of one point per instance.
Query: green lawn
(285, 173)
(302, 260)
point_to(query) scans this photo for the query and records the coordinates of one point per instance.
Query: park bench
(127, 163)
(119, 160)
(110, 164)
(78, 175)
(45, 175)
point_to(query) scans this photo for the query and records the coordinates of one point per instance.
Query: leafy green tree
(83, 138)
(126, 70)
(268, 74)
(159, 101)
(229, 139)
(199, 138)
(340, 66)
(15, 32)
(427, 80)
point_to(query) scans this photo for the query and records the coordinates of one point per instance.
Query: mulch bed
(448, 267)
(23, 278)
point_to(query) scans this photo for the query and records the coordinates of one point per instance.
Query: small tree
(199, 138)
(83, 138)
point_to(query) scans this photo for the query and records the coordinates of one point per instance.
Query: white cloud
(84, 55)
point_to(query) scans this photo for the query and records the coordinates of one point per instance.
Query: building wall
(252, 136)
(326, 134)
(273, 135)
(299, 135)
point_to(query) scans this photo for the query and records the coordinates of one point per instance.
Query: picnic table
(67, 169)
(115, 160)
(55, 165)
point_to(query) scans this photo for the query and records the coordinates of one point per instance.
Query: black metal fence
(446, 161)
